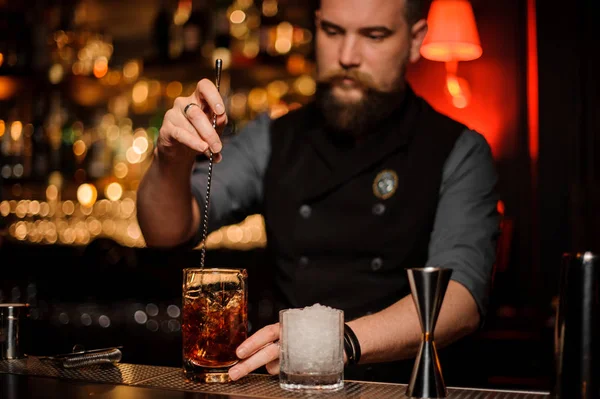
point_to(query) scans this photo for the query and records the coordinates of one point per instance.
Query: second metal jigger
(218, 68)
(428, 286)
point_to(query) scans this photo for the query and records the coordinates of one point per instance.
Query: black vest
(333, 240)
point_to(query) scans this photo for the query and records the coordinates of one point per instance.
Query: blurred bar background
(83, 88)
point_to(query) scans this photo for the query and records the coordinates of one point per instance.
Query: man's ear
(417, 35)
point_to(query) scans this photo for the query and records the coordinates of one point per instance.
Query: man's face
(362, 48)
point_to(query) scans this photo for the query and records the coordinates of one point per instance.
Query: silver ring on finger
(187, 107)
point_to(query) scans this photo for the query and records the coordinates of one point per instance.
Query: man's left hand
(260, 349)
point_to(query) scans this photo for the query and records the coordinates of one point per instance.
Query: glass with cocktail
(215, 321)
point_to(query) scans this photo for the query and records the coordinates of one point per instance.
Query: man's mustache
(360, 78)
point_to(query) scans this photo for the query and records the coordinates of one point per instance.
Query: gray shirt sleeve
(466, 225)
(237, 181)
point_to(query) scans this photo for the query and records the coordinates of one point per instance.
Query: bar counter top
(34, 378)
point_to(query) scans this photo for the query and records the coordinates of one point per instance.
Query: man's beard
(358, 118)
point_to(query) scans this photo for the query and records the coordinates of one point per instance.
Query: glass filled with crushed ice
(312, 348)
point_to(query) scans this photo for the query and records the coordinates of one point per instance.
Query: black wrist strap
(351, 345)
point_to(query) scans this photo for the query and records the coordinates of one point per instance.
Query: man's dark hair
(415, 10)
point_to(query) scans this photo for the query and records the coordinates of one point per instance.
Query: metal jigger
(428, 286)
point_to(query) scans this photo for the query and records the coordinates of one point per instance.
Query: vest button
(305, 211)
(303, 261)
(376, 264)
(378, 209)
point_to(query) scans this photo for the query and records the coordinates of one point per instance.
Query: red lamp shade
(452, 33)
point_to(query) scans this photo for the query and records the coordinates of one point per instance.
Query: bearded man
(356, 186)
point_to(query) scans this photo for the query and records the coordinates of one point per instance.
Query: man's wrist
(351, 346)
(174, 168)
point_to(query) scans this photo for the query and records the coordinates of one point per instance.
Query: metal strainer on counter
(84, 358)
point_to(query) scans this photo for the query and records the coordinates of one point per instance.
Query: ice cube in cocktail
(215, 322)
(311, 341)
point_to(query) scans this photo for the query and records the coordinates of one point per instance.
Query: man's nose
(349, 56)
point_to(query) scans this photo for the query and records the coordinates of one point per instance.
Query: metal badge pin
(218, 68)
(385, 184)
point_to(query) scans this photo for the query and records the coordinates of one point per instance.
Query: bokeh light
(87, 194)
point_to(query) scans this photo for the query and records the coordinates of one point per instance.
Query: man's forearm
(167, 213)
(395, 332)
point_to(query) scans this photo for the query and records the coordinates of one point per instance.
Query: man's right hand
(185, 132)
(167, 212)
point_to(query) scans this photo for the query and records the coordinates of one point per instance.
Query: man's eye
(376, 37)
(330, 32)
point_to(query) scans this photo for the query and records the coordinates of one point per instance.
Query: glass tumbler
(311, 349)
(214, 321)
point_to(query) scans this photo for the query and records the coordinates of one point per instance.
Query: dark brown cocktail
(215, 321)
